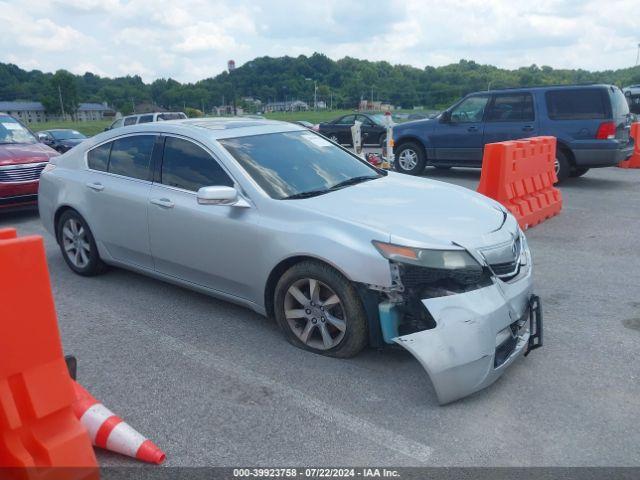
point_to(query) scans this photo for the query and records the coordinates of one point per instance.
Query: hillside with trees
(341, 83)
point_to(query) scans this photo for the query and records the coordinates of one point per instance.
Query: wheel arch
(283, 266)
(564, 148)
(412, 138)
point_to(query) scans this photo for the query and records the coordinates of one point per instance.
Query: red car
(22, 159)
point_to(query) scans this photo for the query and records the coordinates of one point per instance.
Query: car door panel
(117, 204)
(510, 116)
(459, 140)
(202, 244)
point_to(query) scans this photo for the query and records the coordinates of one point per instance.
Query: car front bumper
(461, 354)
(18, 194)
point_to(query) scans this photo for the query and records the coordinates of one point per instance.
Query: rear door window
(145, 119)
(186, 165)
(130, 156)
(511, 107)
(578, 104)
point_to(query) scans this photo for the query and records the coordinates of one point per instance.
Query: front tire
(410, 159)
(78, 246)
(319, 310)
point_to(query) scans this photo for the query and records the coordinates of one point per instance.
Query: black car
(373, 130)
(61, 139)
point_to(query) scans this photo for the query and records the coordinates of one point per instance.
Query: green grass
(87, 128)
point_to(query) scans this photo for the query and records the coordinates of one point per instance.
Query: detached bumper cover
(459, 354)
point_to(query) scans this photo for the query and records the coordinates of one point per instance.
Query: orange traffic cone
(110, 432)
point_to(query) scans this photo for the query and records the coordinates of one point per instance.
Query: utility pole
(315, 95)
(133, 106)
(61, 104)
(371, 96)
(638, 55)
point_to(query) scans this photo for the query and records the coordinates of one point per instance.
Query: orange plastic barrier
(634, 160)
(520, 175)
(39, 432)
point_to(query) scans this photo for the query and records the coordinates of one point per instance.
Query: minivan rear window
(578, 104)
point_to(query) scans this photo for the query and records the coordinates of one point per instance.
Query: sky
(189, 40)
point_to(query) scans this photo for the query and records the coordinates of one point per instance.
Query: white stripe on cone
(93, 419)
(125, 440)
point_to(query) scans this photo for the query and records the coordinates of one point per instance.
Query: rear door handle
(162, 202)
(472, 129)
(97, 186)
(527, 128)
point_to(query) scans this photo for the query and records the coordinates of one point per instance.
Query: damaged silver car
(276, 217)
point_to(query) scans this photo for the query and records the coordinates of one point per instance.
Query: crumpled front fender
(458, 354)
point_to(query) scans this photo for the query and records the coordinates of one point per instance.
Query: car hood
(414, 211)
(12, 154)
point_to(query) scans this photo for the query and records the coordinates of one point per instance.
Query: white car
(277, 218)
(146, 118)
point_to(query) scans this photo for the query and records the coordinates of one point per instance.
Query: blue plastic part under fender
(389, 319)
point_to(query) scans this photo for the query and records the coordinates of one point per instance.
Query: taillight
(606, 131)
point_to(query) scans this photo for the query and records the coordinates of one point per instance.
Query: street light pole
(638, 55)
(315, 95)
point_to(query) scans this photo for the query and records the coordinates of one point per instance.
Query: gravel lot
(216, 384)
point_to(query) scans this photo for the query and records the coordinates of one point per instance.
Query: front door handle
(162, 202)
(472, 129)
(527, 128)
(97, 186)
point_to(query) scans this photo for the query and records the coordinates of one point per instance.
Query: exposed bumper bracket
(535, 319)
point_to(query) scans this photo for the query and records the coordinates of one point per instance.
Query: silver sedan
(277, 218)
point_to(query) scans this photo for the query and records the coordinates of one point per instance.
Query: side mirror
(445, 117)
(42, 137)
(218, 195)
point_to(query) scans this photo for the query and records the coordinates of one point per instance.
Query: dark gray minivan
(591, 122)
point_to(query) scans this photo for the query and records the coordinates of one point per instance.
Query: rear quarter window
(98, 158)
(578, 104)
(130, 121)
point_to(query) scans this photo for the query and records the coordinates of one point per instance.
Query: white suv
(146, 118)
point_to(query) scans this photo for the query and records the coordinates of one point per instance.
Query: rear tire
(578, 172)
(410, 159)
(332, 307)
(78, 246)
(562, 165)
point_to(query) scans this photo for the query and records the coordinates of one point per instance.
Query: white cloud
(193, 39)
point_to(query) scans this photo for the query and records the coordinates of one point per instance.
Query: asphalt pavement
(216, 384)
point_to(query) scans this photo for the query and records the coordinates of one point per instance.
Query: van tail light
(606, 131)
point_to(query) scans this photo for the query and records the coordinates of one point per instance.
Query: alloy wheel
(315, 314)
(408, 159)
(333, 138)
(76, 243)
(556, 166)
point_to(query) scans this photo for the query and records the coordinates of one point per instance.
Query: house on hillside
(26, 112)
(94, 111)
(292, 106)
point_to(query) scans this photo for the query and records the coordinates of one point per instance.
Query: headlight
(442, 259)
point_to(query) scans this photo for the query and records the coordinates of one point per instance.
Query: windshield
(295, 164)
(66, 134)
(12, 131)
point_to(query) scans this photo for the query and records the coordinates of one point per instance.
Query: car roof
(544, 87)
(216, 128)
